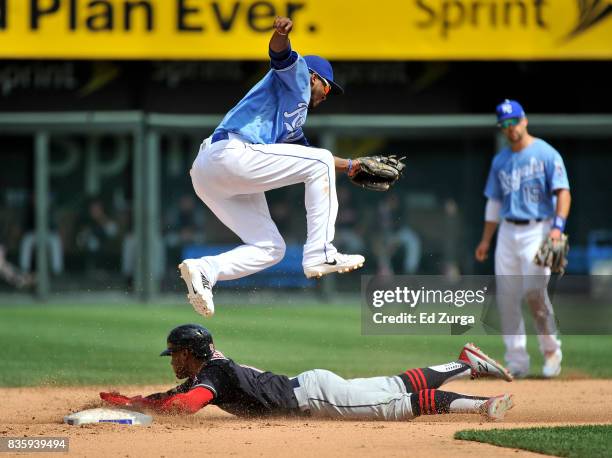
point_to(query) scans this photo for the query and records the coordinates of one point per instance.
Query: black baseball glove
(553, 254)
(377, 173)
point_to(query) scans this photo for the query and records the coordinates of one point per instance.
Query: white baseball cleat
(495, 408)
(342, 263)
(483, 365)
(552, 364)
(200, 293)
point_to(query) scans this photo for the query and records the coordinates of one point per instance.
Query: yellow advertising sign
(337, 29)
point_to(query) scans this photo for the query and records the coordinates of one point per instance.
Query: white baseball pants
(517, 277)
(326, 394)
(231, 177)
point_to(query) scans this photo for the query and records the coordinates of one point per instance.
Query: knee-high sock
(434, 376)
(431, 402)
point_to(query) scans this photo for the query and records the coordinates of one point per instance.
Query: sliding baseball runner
(212, 378)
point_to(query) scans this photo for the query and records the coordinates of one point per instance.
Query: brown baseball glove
(553, 254)
(378, 173)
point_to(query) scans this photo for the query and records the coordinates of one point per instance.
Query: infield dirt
(39, 411)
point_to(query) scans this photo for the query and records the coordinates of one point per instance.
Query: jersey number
(532, 194)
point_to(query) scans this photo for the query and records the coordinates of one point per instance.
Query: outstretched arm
(185, 403)
(281, 56)
(280, 37)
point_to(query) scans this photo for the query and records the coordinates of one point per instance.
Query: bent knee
(323, 166)
(323, 160)
(276, 250)
(328, 158)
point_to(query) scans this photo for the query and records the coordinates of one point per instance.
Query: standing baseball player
(248, 392)
(529, 198)
(260, 146)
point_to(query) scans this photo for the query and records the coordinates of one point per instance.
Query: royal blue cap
(322, 67)
(509, 109)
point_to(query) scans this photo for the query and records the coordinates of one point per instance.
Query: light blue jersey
(524, 181)
(275, 109)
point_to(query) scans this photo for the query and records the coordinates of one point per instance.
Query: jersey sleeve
(189, 402)
(182, 388)
(158, 397)
(493, 187)
(212, 378)
(292, 73)
(556, 175)
(283, 59)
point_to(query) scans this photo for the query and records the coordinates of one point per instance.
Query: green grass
(119, 344)
(568, 441)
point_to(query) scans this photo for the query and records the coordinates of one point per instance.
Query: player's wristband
(350, 167)
(559, 223)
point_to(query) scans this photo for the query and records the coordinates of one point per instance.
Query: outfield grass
(119, 344)
(567, 441)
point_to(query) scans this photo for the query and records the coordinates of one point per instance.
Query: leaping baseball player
(248, 392)
(260, 146)
(528, 191)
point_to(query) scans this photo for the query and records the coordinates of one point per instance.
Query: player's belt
(295, 383)
(218, 136)
(523, 222)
